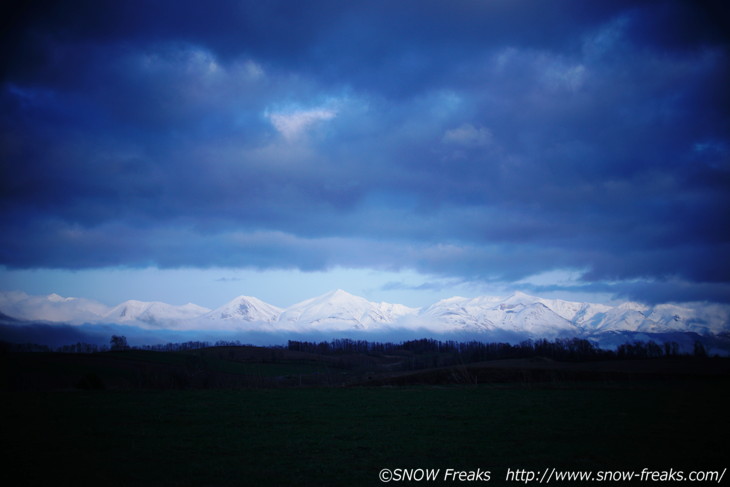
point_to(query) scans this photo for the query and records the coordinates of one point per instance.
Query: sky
(403, 151)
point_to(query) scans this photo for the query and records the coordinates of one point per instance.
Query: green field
(344, 436)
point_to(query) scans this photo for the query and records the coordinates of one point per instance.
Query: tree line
(451, 352)
(429, 351)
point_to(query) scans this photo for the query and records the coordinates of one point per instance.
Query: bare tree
(118, 342)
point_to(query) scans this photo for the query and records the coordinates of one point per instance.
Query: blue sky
(404, 151)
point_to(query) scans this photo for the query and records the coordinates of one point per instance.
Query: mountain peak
(336, 296)
(56, 298)
(243, 298)
(245, 309)
(339, 293)
(633, 306)
(341, 310)
(518, 297)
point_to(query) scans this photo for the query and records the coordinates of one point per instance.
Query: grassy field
(248, 366)
(141, 369)
(344, 436)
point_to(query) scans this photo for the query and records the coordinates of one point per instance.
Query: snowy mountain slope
(51, 308)
(625, 317)
(517, 313)
(700, 318)
(458, 314)
(339, 311)
(153, 314)
(245, 308)
(583, 315)
(243, 312)
(536, 319)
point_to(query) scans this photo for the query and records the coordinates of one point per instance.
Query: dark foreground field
(254, 416)
(345, 436)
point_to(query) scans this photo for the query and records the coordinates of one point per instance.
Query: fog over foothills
(404, 151)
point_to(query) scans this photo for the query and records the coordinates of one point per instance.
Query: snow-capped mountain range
(339, 311)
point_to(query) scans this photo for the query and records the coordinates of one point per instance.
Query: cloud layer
(484, 141)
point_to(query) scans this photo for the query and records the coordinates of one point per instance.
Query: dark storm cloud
(473, 140)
